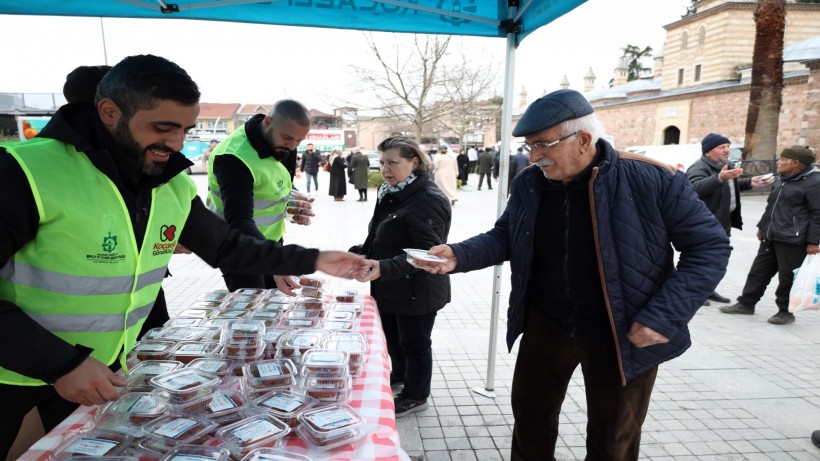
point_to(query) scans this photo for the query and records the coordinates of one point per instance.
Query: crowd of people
(595, 283)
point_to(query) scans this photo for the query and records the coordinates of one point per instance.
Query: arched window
(702, 36)
(684, 40)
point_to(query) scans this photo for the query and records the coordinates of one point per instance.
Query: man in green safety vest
(249, 182)
(94, 207)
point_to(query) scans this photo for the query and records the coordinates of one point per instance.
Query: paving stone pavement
(745, 390)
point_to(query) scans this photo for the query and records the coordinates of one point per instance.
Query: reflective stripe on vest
(271, 184)
(83, 277)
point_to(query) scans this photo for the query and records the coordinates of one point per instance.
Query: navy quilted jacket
(639, 208)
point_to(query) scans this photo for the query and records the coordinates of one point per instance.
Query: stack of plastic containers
(330, 427)
(326, 376)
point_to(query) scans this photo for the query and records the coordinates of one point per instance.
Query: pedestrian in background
(411, 212)
(719, 185)
(360, 172)
(311, 161)
(338, 182)
(593, 280)
(485, 168)
(463, 164)
(446, 173)
(788, 231)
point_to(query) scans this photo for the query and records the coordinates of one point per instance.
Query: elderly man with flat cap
(719, 185)
(788, 231)
(589, 233)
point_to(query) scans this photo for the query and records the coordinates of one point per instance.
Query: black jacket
(236, 180)
(715, 194)
(793, 209)
(416, 217)
(311, 161)
(30, 349)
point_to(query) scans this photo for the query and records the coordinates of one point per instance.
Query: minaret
(565, 83)
(589, 81)
(522, 98)
(621, 72)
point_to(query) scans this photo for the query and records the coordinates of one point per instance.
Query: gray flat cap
(550, 110)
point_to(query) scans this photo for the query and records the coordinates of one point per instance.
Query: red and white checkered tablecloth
(372, 398)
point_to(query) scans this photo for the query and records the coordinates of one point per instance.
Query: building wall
(724, 112)
(810, 124)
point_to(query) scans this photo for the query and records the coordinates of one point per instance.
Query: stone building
(701, 81)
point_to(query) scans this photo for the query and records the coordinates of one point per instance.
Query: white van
(681, 156)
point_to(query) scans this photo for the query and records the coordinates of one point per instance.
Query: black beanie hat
(711, 141)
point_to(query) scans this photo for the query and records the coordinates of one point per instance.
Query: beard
(129, 146)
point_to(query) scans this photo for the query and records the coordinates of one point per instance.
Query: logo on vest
(166, 244)
(109, 244)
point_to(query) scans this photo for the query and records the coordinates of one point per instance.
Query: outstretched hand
(445, 251)
(373, 271)
(286, 284)
(341, 264)
(91, 383)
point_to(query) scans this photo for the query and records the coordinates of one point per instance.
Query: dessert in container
(188, 351)
(346, 296)
(203, 312)
(328, 389)
(184, 385)
(339, 315)
(261, 292)
(312, 281)
(330, 427)
(325, 362)
(182, 333)
(271, 338)
(296, 195)
(355, 308)
(151, 349)
(269, 373)
(303, 314)
(297, 342)
(311, 292)
(95, 443)
(338, 325)
(231, 313)
(273, 454)
(421, 258)
(355, 348)
(272, 306)
(285, 405)
(223, 407)
(244, 332)
(257, 431)
(139, 376)
(307, 303)
(268, 317)
(183, 321)
(248, 298)
(281, 298)
(215, 365)
(205, 305)
(197, 453)
(136, 408)
(296, 324)
(170, 431)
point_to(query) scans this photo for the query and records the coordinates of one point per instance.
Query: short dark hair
(289, 109)
(409, 149)
(139, 82)
(81, 83)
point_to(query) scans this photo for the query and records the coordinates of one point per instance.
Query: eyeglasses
(543, 146)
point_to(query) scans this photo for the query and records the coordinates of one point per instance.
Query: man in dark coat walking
(485, 168)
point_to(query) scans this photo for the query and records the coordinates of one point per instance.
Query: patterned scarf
(385, 188)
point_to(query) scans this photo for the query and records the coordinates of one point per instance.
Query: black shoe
(405, 406)
(782, 318)
(715, 296)
(707, 303)
(490, 188)
(815, 438)
(738, 308)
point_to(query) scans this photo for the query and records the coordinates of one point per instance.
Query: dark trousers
(17, 401)
(411, 353)
(362, 194)
(546, 361)
(772, 258)
(315, 177)
(481, 180)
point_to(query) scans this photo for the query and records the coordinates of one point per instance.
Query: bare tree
(408, 80)
(765, 95)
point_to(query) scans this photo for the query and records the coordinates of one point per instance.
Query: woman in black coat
(338, 180)
(411, 212)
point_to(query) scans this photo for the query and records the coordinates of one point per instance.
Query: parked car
(681, 156)
(373, 160)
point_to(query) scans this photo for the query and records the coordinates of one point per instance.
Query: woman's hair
(336, 152)
(139, 82)
(408, 149)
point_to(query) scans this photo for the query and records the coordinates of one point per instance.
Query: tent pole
(501, 184)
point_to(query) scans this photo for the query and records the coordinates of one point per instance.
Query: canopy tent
(511, 19)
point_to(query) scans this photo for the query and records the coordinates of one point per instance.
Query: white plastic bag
(805, 293)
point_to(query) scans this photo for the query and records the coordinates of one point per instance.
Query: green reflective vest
(83, 277)
(271, 184)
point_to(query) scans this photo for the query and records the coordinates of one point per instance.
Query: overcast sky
(248, 63)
